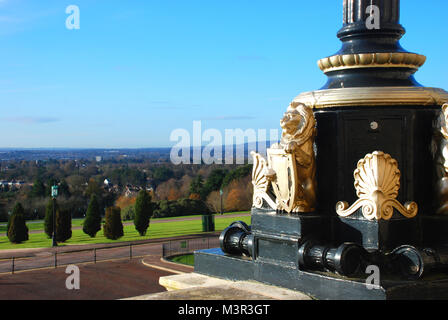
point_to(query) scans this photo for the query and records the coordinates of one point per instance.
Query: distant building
(131, 191)
(13, 184)
(99, 158)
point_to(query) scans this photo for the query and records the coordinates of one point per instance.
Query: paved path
(156, 262)
(104, 280)
(101, 281)
(59, 256)
(35, 275)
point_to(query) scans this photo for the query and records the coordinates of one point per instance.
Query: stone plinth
(193, 286)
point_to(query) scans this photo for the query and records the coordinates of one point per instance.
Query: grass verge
(155, 231)
(187, 259)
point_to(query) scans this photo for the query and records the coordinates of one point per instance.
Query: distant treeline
(175, 189)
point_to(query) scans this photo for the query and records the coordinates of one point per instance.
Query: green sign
(54, 191)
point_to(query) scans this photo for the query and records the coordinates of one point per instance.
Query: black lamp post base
(319, 285)
(321, 257)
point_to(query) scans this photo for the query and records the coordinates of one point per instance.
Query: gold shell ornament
(377, 182)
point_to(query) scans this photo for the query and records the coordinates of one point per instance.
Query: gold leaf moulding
(373, 97)
(371, 60)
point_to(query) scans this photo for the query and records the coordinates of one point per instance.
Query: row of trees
(230, 189)
(217, 180)
(196, 195)
(178, 190)
(17, 231)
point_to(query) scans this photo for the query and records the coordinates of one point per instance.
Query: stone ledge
(193, 286)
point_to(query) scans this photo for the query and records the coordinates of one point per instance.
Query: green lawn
(155, 231)
(187, 259)
(39, 225)
(35, 225)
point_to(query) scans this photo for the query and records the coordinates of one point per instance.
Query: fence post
(94, 255)
(130, 251)
(55, 260)
(12, 267)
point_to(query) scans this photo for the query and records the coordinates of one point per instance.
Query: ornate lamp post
(374, 193)
(54, 194)
(221, 192)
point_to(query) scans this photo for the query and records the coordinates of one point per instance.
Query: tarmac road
(104, 280)
(46, 258)
(101, 281)
(114, 276)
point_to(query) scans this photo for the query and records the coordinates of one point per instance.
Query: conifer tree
(92, 222)
(17, 229)
(48, 220)
(113, 227)
(143, 212)
(63, 225)
(38, 189)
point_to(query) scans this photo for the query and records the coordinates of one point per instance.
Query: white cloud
(30, 120)
(229, 118)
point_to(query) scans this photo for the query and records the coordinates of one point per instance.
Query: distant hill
(158, 154)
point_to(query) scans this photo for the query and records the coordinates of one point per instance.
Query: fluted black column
(357, 38)
(377, 58)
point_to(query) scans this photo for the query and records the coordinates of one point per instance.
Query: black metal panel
(360, 139)
(268, 222)
(214, 262)
(328, 172)
(277, 236)
(277, 251)
(435, 230)
(345, 136)
(379, 235)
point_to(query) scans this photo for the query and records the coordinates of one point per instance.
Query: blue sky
(136, 70)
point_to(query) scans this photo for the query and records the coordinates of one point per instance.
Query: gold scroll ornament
(286, 180)
(377, 182)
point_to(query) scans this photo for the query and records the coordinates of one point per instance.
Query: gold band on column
(373, 96)
(371, 60)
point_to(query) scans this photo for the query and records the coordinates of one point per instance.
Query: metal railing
(177, 247)
(56, 259)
